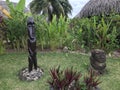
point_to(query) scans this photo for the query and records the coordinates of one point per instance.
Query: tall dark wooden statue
(32, 72)
(31, 44)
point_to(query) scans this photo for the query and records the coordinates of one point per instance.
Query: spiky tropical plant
(91, 80)
(68, 79)
(51, 7)
(64, 80)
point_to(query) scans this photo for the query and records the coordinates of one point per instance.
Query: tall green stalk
(16, 26)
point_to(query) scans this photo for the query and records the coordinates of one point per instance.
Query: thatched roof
(99, 7)
(4, 5)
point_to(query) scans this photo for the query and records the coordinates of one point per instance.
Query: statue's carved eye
(30, 23)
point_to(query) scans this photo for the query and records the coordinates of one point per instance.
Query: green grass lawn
(12, 63)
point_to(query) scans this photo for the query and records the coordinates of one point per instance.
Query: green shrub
(52, 35)
(95, 32)
(16, 31)
(2, 26)
(105, 35)
(16, 26)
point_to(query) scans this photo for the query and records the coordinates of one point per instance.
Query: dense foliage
(76, 34)
(53, 35)
(96, 32)
(16, 26)
(2, 35)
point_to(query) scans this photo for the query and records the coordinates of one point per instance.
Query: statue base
(34, 75)
(98, 72)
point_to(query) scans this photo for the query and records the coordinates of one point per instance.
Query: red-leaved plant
(64, 80)
(69, 80)
(91, 80)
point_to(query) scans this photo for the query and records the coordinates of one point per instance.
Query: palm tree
(51, 7)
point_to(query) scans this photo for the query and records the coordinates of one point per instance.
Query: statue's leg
(35, 61)
(30, 63)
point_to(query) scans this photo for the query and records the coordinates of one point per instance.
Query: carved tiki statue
(31, 44)
(98, 60)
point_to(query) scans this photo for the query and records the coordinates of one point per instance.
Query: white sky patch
(77, 6)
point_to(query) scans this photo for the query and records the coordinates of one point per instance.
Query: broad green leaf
(20, 6)
(11, 6)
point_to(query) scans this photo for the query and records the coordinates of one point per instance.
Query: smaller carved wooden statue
(98, 60)
(31, 44)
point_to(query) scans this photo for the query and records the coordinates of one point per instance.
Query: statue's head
(30, 21)
(31, 28)
(99, 54)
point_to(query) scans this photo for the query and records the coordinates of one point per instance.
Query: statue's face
(31, 30)
(100, 55)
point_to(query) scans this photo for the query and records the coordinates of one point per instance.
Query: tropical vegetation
(76, 34)
(83, 34)
(2, 35)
